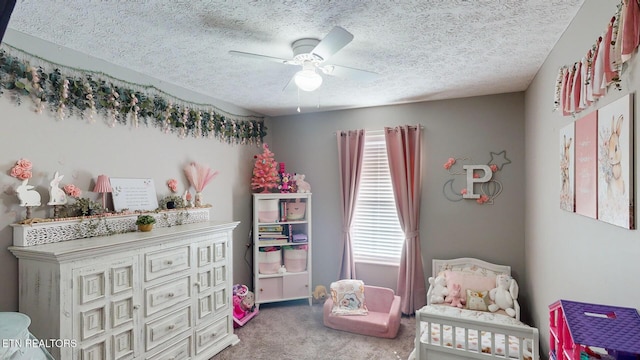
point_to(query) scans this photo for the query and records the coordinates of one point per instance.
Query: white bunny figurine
(56, 195)
(27, 196)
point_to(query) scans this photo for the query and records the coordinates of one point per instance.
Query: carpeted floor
(294, 331)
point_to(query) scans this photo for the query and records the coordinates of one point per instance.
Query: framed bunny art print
(615, 163)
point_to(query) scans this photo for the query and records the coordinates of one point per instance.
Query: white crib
(448, 333)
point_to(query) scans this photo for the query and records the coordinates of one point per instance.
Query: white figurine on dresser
(158, 295)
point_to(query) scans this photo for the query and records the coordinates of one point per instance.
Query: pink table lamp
(103, 186)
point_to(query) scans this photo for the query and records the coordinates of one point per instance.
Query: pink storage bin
(296, 210)
(295, 260)
(269, 262)
(268, 210)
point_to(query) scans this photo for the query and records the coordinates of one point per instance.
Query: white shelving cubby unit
(282, 247)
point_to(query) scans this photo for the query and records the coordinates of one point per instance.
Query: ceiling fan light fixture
(307, 80)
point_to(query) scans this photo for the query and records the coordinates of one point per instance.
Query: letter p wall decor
(473, 179)
(479, 183)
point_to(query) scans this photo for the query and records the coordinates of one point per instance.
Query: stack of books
(272, 235)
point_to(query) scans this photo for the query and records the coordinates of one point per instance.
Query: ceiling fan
(311, 54)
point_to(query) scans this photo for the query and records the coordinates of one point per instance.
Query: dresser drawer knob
(171, 327)
(171, 294)
(169, 262)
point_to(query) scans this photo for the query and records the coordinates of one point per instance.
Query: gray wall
(570, 256)
(470, 127)
(82, 151)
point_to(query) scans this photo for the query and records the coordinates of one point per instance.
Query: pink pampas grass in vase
(199, 176)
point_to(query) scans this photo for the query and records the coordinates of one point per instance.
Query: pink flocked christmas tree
(265, 171)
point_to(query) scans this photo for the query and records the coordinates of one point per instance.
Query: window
(376, 233)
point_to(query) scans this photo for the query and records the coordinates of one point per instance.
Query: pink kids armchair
(377, 314)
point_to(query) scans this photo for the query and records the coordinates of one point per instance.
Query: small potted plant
(145, 222)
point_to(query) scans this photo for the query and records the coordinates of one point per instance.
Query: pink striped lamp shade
(103, 185)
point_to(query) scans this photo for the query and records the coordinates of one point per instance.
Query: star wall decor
(499, 159)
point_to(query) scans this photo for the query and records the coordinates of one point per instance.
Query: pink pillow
(469, 281)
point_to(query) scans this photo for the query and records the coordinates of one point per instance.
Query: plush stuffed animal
(455, 297)
(320, 293)
(243, 301)
(303, 186)
(285, 178)
(439, 291)
(504, 294)
(248, 302)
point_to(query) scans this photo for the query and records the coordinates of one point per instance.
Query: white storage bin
(295, 260)
(269, 262)
(268, 210)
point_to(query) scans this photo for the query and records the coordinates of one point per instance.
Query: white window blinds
(376, 233)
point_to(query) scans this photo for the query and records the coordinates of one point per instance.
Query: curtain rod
(380, 130)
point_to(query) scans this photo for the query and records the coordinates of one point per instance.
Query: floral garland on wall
(582, 83)
(86, 94)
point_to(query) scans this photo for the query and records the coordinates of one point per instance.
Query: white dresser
(164, 294)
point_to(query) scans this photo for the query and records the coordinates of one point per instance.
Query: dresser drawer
(96, 351)
(220, 275)
(179, 351)
(121, 311)
(204, 281)
(205, 307)
(166, 262)
(92, 286)
(220, 298)
(165, 295)
(219, 251)
(166, 327)
(211, 334)
(92, 322)
(205, 254)
(123, 344)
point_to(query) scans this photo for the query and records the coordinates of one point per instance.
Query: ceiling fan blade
(349, 73)
(335, 40)
(257, 56)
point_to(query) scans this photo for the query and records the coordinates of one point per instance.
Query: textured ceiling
(423, 50)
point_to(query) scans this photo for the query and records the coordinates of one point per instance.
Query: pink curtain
(405, 165)
(350, 150)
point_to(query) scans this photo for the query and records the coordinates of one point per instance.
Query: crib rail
(459, 347)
